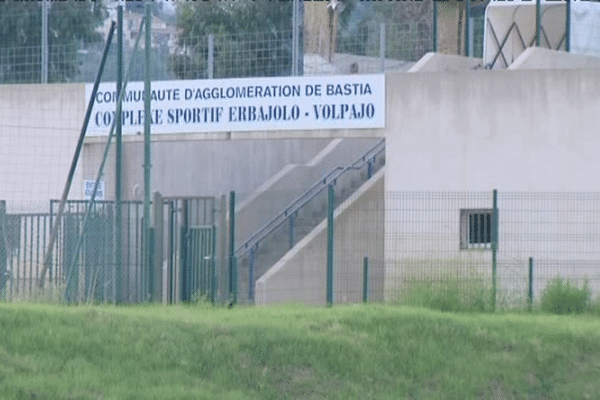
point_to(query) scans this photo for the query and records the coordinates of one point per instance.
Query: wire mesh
(410, 239)
(73, 56)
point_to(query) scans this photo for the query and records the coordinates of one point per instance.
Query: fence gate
(198, 272)
(189, 244)
(89, 265)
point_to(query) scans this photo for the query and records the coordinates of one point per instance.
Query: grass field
(293, 352)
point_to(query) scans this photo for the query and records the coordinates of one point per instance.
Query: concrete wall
(540, 58)
(511, 130)
(530, 131)
(274, 195)
(300, 276)
(437, 62)
(184, 167)
(38, 133)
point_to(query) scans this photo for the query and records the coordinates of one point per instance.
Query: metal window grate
(476, 229)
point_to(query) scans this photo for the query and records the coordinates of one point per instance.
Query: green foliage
(562, 297)
(201, 300)
(448, 294)
(408, 29)
(69, 25)
(252, 38)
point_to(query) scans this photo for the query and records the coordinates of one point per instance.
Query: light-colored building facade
(524, 131)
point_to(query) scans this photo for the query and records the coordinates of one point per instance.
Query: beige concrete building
(529, 130)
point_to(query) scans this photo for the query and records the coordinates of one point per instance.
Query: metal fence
(92, 264)
(388, 47)
(504, 248)
(472, 240)
(392, 47)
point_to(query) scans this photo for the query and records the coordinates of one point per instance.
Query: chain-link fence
(46, 54)
(389, 48)
(504, 248)
(390, 245)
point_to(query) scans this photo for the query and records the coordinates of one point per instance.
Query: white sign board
(88, 189)
(249, 104)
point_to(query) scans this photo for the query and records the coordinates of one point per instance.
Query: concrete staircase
(287, 230)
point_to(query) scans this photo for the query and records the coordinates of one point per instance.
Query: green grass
(292, 352)
(447, 294)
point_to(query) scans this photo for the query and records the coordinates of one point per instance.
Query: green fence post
(213, 266)
(232, 260)
(494, 247)
(435, 18)
(330, 207)
(119, 163)
(530, 286)
(365, 279)
(184, 295)
(568, 27)
(468, 29)
(234, 286)
(3, 247)
(538, 22)
(147, 132)
(150, 257)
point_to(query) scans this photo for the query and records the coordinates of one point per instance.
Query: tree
(252, 38)
(410, 35)
(70, 24)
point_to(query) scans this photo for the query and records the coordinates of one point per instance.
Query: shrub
(561, 297)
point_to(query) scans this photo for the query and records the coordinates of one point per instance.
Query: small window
(476, 229)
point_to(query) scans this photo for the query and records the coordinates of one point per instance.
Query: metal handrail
(329, 179)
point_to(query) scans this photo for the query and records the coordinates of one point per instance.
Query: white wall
(445, 131)
(184, 167)
(517, 130)
(300, 275)
(540, 58)
(526, 131)
(39, 127)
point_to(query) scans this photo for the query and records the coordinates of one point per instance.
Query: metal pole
(295, 37)
(232, 266)
(330, 207)
(185, 294)
(468, 30)
(251, 275)
(365, 279)
(235, 282)
(86, 120)
(537, 22)
(530, 287)
(100, 172)
(3, 250)
(382, 47)
(147, 128)
(471, 39)
(44, 60)
(568, 27)
(291, 235)
(211, 56)
(213, 267)
(434, 33)
(119, 160)
(494, 247)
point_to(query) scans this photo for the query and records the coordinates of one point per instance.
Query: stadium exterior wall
(524, 130)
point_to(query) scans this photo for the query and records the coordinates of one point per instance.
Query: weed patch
(562, 297)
